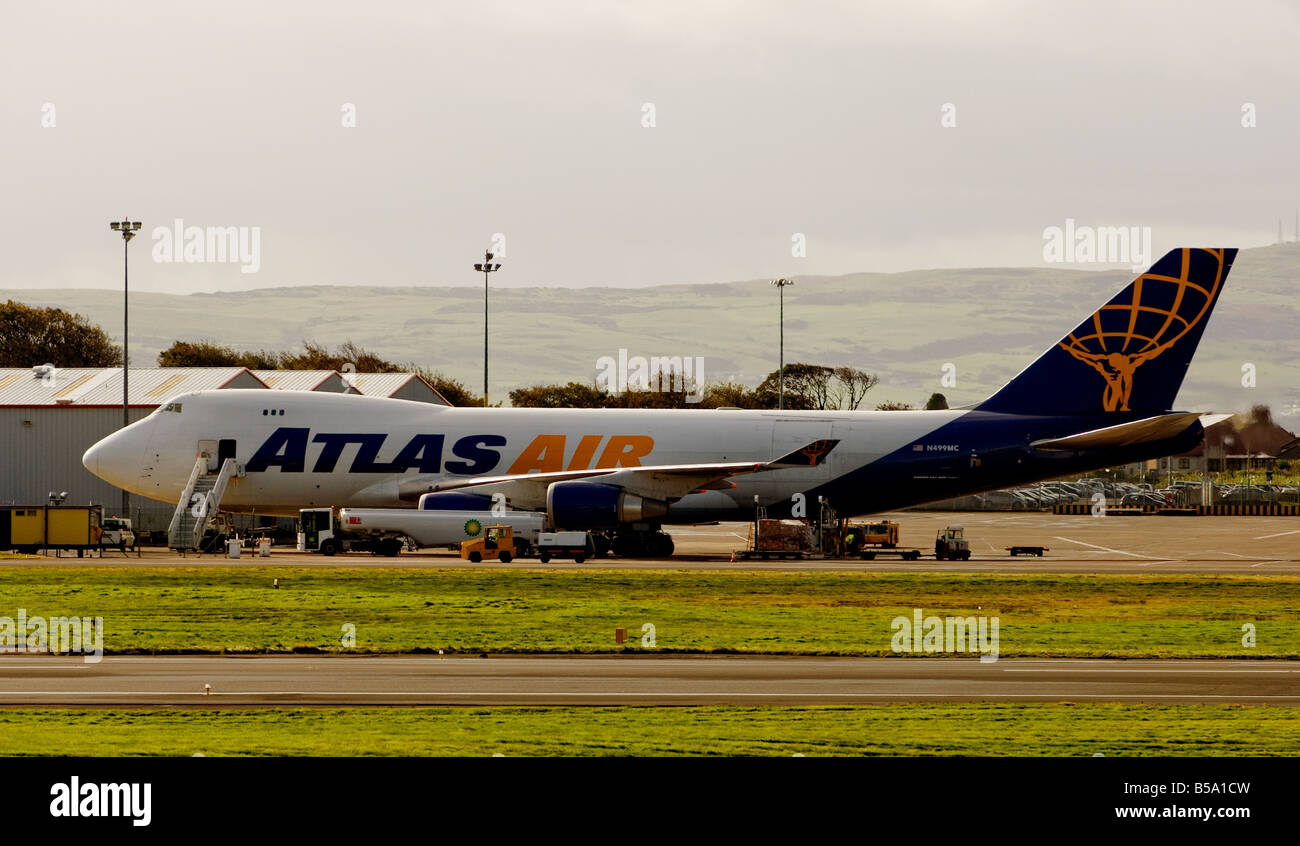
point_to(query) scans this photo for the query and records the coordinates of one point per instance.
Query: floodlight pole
(486, 267)
(780, 397)
(128, 228)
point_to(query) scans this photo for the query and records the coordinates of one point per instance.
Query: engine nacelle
(455, 501)
(593, 505)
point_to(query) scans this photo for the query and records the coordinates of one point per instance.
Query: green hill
(988, 322)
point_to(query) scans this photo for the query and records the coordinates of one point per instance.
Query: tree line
(808, 387)
(30, 336)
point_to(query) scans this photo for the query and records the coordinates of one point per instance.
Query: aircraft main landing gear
(643, 544)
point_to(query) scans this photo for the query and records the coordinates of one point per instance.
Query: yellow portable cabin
(27, 528)
(22, 526)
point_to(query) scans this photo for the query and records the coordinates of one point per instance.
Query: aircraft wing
(667, 482)
(1159, 428)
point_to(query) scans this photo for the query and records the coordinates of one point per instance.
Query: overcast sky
(529, 119)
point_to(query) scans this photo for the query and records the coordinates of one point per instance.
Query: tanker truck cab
(321, 530)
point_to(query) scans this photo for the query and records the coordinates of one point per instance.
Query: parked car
(117, 532)
(1140, 498)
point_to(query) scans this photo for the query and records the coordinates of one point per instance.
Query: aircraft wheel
(628, 545)
(659, 545)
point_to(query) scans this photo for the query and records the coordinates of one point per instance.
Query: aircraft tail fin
(1133, 352)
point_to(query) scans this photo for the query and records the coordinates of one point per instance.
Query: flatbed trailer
(768, 554)
(1023, 549)
(873, 552)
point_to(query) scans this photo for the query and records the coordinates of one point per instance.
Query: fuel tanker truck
(382, 530)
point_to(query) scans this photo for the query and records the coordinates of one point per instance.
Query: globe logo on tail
(815, 450)
(1125, 335)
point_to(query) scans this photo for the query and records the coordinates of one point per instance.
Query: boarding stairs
(199, 504)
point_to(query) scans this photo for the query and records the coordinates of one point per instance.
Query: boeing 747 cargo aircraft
(1103, 395)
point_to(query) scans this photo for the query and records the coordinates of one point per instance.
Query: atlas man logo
(815, 450)
(1126, 335)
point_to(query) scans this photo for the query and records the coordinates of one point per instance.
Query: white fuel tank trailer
(438, 528)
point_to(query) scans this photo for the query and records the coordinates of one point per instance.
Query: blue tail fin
(1132, 354)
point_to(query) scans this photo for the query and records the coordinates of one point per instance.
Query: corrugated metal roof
(150, 386)
(390, 384)
(379, 384)
(370, 384)
(88, 386)
(294, 380)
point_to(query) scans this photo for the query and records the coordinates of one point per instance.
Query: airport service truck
(382, 530)
(576, 545)
(869, 540)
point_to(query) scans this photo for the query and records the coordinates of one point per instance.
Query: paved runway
(179, 681)
(1077, 544)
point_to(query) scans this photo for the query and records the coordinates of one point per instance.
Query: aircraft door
(209, 450)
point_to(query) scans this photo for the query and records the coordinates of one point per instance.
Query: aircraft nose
(91, 459)
(117, 458)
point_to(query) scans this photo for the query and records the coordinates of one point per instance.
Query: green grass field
(208, 609)
(979, 730)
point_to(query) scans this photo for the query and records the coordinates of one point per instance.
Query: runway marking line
(1110, 670)
(661, 694)
(1108, 549)
(1278, 535)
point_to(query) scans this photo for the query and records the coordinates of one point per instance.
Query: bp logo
(473, 528)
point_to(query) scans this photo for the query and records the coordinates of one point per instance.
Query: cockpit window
(172, 406)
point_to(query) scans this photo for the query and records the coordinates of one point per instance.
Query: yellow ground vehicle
(884, 533)
(497, 542)
(868, 540)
